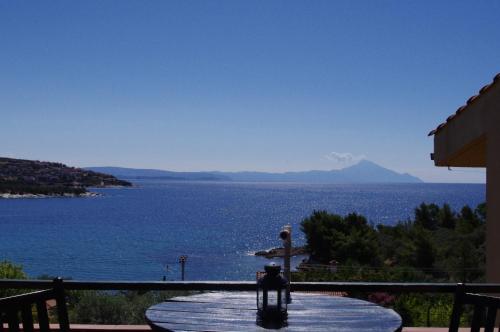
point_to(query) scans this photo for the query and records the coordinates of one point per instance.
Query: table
(237, 311)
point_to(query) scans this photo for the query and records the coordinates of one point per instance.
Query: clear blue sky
(240, 85)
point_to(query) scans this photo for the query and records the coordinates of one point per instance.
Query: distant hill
(33, 177)
(363, 172)
(139, 173)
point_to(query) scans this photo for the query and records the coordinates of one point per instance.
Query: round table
(237, 311)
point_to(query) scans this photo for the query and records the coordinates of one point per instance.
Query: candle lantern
(271, 295)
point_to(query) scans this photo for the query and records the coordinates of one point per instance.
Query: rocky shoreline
(280, 252)
(38, 196)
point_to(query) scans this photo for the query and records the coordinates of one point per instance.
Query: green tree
(425, 253)
(333, 237)
(481, 211)
(9, 270)
(446, 217)
(427, 216)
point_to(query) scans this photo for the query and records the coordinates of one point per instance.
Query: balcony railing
(390, 287)
(349, 287)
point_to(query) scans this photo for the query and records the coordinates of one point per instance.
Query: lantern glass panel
(260, 299)
(283, 300)
(272, 299)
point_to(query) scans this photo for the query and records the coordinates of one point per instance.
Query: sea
(139, 233)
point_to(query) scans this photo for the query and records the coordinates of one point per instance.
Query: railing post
(62, 311)
(457, 307)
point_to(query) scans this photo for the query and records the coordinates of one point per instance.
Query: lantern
(271, 295)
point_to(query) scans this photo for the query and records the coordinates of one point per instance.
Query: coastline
(39, 196)
(280, 252)
(86, 194)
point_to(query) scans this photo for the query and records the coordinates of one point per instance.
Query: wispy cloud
(342, 159)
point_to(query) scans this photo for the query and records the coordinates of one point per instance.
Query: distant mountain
(363, 172)
(139, 173)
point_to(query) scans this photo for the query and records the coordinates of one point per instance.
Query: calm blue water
(134, 233)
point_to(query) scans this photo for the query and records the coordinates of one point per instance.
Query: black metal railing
(356, 289)
(389, 287)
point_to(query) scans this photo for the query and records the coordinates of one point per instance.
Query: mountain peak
(365, 163)
(368, 171)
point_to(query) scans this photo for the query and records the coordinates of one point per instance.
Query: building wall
(472, 139)
(493, 194)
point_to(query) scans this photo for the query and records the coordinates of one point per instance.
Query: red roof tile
(464, 107)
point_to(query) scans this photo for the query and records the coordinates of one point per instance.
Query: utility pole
(286, 236)
(167, 270)
(182, 260)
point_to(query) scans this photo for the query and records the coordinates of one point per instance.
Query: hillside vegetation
(21, 177)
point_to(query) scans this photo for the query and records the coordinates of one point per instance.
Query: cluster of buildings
(28, 175)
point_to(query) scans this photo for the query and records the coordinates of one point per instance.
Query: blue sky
(240, 85)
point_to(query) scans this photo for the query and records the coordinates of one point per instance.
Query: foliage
(96, 307)
(10, 271)
(112, 307)
(424, 309)
(439, 245)
(332, 237)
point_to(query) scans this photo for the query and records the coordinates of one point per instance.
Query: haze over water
(134, 233)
